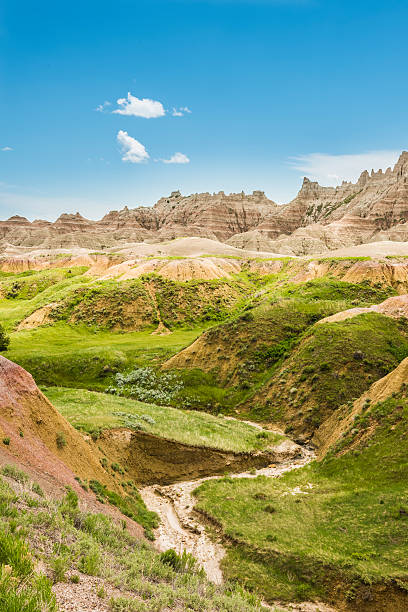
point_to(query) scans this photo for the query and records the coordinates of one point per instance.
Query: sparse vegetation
(61, 440)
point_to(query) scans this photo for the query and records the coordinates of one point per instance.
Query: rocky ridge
(317, 220)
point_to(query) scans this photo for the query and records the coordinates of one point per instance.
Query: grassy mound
(92, 412)
(109, 305)
(334, 363)
(334, 529)
(24, 293)
(190, 302)
(27, 285)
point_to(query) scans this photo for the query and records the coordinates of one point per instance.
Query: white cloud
(101, 107)
(177, 158)
(133, 150)
(180, 112)
(333, 169)
(137, 107)
(7, 148)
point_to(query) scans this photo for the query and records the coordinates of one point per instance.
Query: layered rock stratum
(319, 219)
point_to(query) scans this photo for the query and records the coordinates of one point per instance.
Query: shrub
(11, 471)
(59, 566)
(4, 339)
(180, 563)
(61, 440)
(90, 562)
(101, 593)
(69, 504)
(146, 385)
(14, 552)
(37, 489)
(6, 441)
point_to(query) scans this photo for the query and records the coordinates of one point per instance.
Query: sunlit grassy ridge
(24, 293)
(90, 412)
(333, 363)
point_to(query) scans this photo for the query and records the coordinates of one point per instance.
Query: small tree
(4, 339)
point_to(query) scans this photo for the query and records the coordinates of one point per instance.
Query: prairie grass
(77, 356)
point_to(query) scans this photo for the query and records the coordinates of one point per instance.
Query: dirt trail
(180, 528)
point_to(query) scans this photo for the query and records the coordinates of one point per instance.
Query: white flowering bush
(146, 385)
(133, 421)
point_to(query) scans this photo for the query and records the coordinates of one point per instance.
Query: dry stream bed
(180, 527)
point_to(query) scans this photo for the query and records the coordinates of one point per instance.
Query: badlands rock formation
(319, 219)
(217, 216)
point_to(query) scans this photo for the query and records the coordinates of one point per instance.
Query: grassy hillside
(341, 521)
(24, 293)
(191, 302)
(333, 363)
(279, 366)
(119, 305)
(237, 350)
(92, 412)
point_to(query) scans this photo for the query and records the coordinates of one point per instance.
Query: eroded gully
(180, 527)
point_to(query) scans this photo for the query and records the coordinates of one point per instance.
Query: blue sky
(269, 83)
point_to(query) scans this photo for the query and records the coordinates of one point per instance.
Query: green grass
(336, 259)
(24, 286)
(352, 294)
(131, 505)
(91, 411)
(77, 356)
(21, 589)
(243, 353)
(342, 520)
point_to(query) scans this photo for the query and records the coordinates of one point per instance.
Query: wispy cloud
(177, 158)
(333, 169)
(180, 112)
(7, 149)
(137, 107)
(102, 107)
(133, 150)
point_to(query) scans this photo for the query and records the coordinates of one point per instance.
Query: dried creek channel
(180, 527)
